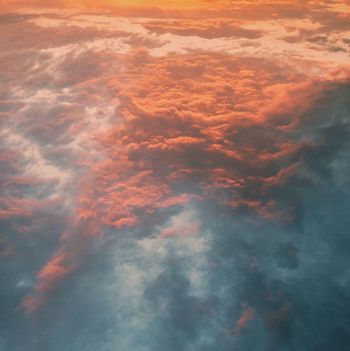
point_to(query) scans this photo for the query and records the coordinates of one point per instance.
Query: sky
(174, 175)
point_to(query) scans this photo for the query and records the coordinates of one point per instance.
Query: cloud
(159, 195)
(244, 319)
(207, 29)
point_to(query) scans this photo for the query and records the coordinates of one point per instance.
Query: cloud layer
(174, 177)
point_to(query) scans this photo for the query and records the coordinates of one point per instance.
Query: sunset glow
(174, 175)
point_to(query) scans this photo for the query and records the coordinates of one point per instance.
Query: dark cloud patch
(9, 18)
(325, 37)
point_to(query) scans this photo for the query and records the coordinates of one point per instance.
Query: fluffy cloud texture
(174, 177)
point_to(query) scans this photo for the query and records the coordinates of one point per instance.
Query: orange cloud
(206, 28)
(243, 321)
(56, 269)
(243, 9)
